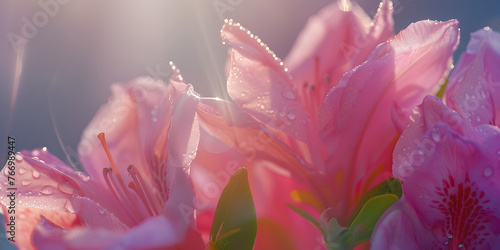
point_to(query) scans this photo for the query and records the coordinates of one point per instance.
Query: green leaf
(363, 225)
(305, 215)
(389, 186)
(235, 223)
(334, 234)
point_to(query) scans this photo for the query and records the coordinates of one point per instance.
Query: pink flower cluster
(350, 107)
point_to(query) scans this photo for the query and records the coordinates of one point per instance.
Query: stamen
(139, 193)
(143, 192)
(124, 189)
(112, 186)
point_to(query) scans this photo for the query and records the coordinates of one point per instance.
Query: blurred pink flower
(450, 173)
(304, 147)
(473, 89)
(144, 199)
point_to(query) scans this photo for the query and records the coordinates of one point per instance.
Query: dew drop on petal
(19, 158)
(47, 190)
(69, 207)
(488, 171)
(83, 176)
(100, 209)
(25, 182)
(291, 116)
(436, 136)
(22, 171)
(36, 174)
(22, 216)
(65, 188)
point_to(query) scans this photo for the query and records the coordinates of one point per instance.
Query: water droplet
(478, 118)
(461, 246)
(19, 158)
(437, 136)
(36, 174)
(47, 190)
(69, 207)
(25, 182)
(243, 94)
(291, 116)
(282, 113)
(483, 93)
(83, 176)
(22, 171)
(262, 106)
(449, 236)
(65, 188)
(22, 216)
(289, 95)
(488, 171)
(101, 209)
(467, 96)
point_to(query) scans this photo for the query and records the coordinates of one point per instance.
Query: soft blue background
(88, 45)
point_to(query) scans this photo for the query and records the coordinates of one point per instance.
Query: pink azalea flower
(449, 172)
(137, 193)
(308, 149)
(337, 39)
(473, 89)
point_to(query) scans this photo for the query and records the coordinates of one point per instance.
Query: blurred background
(76, 49)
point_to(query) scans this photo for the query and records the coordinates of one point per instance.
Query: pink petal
(473, 87)
(399, 228)
(423, 121)
(259, 83)
(154, 233)
(46, 183)
(448, 177)
(50, 236)
(137, 123)
(26, 220)
(229, 124)
(334, 41)
(356, 119)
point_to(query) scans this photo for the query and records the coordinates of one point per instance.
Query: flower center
(138, 211)
(466, 210)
